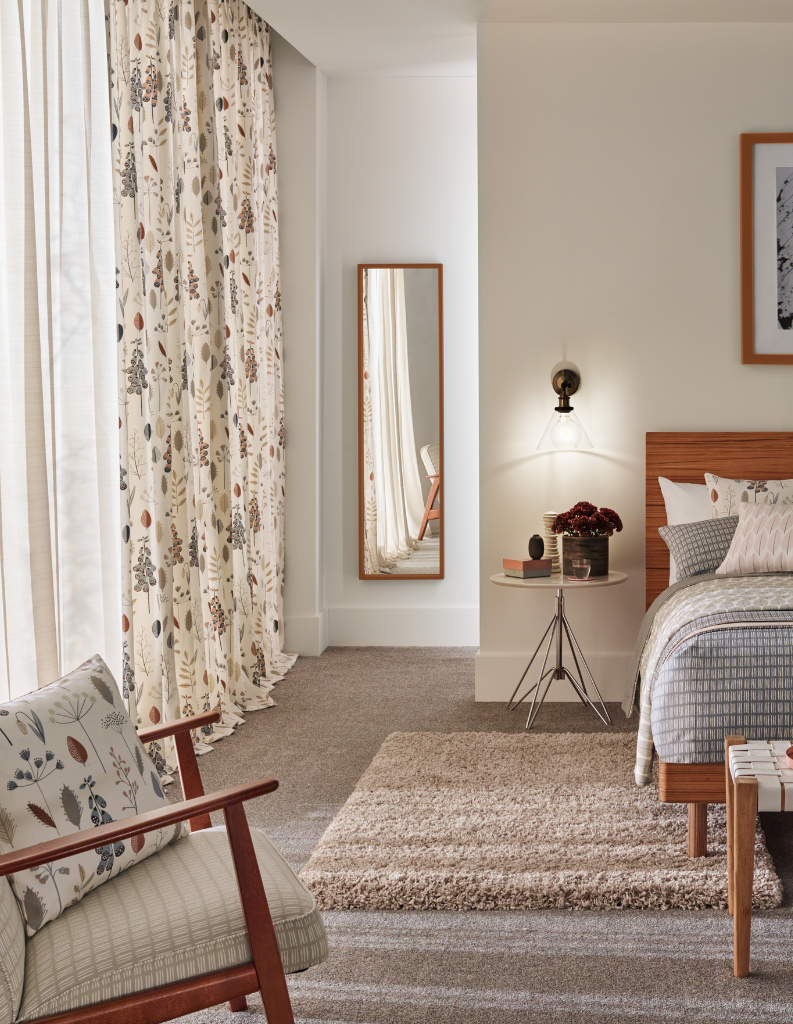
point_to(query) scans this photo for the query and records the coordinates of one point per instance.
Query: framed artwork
(767, 248)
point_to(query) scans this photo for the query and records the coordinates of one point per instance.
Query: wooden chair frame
(265, 973)
(429, 511)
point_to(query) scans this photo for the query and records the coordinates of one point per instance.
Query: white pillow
(763, 541)
(685, 503)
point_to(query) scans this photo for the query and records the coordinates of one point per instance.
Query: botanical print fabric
(726, 495)
(70, 759)
(60, 578)
(201, 393)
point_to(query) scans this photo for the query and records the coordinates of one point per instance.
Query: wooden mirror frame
(361, 469)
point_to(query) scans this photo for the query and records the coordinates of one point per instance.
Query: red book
(526, 564)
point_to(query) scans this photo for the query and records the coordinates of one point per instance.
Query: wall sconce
(564, 431)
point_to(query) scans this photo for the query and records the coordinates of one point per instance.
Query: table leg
(745, 820)
(574, 645)
(558, 628)
(511, 706)
(730, 741)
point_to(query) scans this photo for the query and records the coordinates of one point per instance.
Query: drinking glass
(581, 568)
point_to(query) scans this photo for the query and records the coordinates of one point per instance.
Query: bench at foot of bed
(696, 785)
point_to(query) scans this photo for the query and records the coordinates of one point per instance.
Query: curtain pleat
(59, 545)
(200, 384)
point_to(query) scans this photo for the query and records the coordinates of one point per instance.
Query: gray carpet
(491, 967)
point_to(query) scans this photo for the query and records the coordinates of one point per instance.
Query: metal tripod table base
(558, 628)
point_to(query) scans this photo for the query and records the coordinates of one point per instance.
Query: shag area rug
(495, 821)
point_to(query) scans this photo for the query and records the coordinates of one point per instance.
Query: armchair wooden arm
(126, 828)
(189, 775)
(175, 728)
(194, 994)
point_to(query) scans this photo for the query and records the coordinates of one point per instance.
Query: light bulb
(566, 433)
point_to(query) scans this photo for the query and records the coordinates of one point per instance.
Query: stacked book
(527, 568)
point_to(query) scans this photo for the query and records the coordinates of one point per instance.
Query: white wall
(609, 235)
(401, 188)
(301, 126)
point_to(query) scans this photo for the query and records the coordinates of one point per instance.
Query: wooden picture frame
(760, 284)
(439, 487)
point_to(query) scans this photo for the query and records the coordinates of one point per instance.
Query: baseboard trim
(403, 627)
(306, 635)
(497, 675)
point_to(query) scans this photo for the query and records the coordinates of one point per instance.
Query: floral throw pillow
(71, 760)
(727, 495)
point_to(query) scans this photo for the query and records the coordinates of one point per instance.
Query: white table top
(557, 582)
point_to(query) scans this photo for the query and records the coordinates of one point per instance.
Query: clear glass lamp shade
(564, 433)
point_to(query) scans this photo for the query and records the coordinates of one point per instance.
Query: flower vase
(596, 549)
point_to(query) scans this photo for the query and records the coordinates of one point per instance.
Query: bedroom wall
(609, 231)
(301, 126)
(401, 188)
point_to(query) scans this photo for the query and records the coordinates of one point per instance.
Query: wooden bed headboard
(685, 458)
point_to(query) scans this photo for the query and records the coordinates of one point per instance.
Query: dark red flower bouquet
(586, 520)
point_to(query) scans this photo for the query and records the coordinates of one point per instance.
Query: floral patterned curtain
(199, 331)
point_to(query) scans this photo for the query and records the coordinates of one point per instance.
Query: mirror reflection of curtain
(393, 499)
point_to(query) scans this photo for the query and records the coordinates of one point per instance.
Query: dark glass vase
(596, 549)
(536, 546)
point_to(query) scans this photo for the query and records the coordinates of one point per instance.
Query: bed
(755, 640)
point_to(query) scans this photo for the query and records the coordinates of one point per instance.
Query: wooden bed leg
(730, 741)
(239, 1004)
(697, 830)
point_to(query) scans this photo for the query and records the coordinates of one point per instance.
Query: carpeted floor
(478, 967)
(488, 821)
(425, 559)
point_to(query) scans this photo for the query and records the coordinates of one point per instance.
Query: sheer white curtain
(60, 585)
(395, 471)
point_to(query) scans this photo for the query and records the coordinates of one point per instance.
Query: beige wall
(401, 188)
(608, 210)
(301, 122)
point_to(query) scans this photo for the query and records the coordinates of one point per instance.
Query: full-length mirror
(400, 420)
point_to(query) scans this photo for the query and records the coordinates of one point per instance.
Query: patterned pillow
(763, 541)
(699, 547)
(726, 495)
(70, 759)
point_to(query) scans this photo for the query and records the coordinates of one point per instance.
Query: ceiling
(438, 37)
(379, 37)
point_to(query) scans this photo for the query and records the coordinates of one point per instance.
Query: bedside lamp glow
(564, 431)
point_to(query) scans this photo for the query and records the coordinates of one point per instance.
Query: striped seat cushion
(174, 916)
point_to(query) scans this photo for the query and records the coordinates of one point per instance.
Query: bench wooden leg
(728, 742)
(745, 820)
(697, 830)
(239, 1004)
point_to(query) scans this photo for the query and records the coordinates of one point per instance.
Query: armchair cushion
(70, 759)
(12, 953)
(174, 916)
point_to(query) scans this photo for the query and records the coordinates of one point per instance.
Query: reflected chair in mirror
(430, 456)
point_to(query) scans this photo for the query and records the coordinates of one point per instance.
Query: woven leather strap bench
(758, 778)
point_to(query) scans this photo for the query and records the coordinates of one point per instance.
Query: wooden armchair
(263, 972)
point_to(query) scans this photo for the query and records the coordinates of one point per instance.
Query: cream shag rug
(495, 821)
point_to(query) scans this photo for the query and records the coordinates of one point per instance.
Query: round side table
(559, 627)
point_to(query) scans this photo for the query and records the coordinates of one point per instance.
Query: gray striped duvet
(714, 656)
